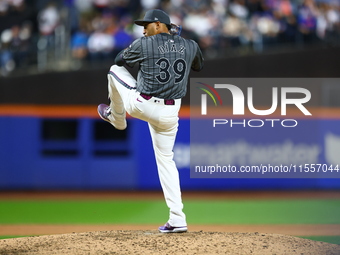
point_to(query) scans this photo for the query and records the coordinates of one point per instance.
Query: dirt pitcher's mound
(152, 242)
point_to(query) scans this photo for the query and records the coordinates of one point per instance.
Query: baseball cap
(154, 16)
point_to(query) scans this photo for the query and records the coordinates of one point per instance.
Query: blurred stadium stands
(59, 35)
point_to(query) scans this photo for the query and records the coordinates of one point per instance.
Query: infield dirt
(152, 242)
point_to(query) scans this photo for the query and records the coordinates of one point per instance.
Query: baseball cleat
(104, 111)
(117, 120)
(169, 229)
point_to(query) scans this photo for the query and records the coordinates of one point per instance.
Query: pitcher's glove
(175, 29)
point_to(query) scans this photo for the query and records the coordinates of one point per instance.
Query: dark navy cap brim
(143, 22)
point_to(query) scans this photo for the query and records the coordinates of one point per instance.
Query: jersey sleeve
(119, 58)
(197, 63)
(133, 54)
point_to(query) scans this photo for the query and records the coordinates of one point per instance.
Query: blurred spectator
(328, 21)
(206, 25)
(83, 6)
(123, 38)
(238, 9)
(306, 20)
(235, 27)
(16, 27)
(284, 13)
(48, 19)
(101, 41)
(15, 13)
(20, 44)
(100, 46)
(150, 4)
(7, 63)
(199, 22)
(236, 31)
(97, 29)
(79, 42)
(268, 27)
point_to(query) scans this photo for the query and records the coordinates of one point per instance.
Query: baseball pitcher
(165, 60)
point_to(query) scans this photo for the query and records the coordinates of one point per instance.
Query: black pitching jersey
(164, 64)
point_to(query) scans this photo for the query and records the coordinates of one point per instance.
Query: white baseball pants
(163, 123)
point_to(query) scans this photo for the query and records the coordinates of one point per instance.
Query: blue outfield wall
(88, 154)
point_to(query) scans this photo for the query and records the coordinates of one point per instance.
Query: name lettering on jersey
(181, 49)
(173, 48)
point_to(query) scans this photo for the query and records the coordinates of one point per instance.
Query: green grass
(8, 237)
(265, 212)
(312, 211)
(326, 239)
(154, 212)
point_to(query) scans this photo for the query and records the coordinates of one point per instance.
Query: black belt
(166, 101)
